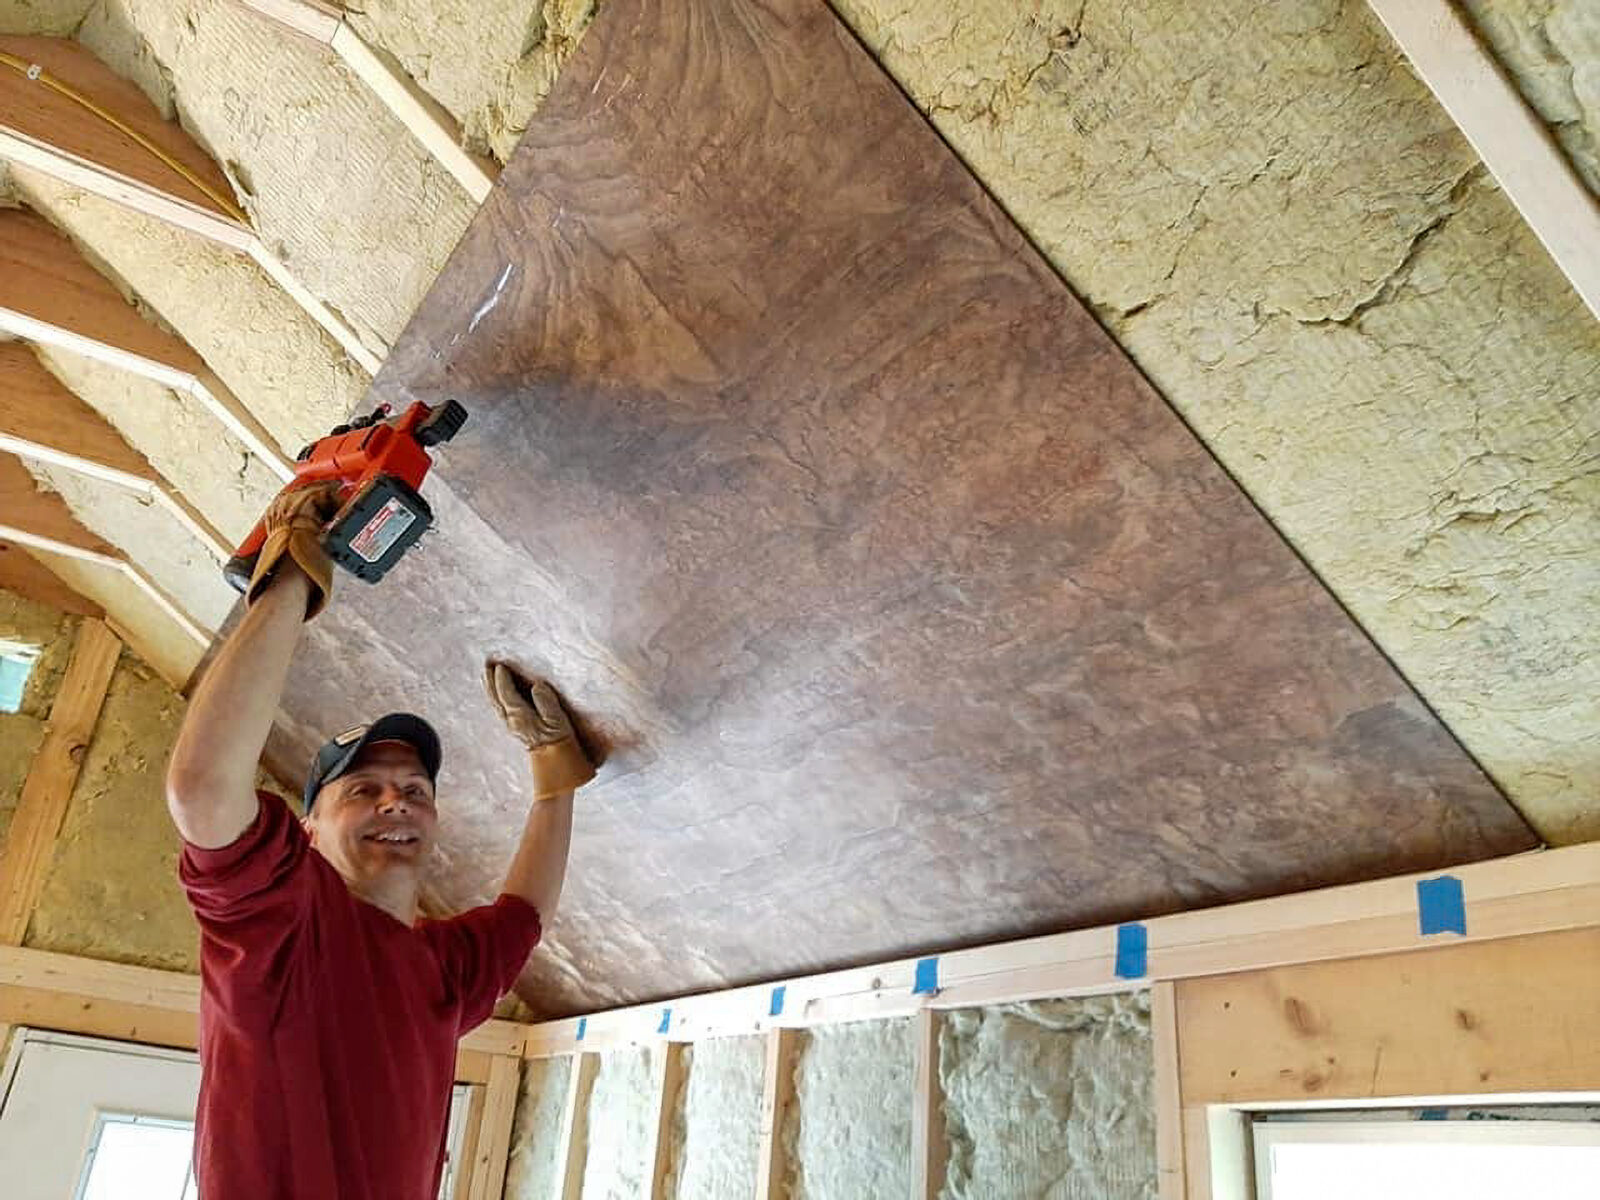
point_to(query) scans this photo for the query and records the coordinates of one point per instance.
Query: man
(329, 1014)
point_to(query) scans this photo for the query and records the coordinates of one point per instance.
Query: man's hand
(532, 712)
(294, 523)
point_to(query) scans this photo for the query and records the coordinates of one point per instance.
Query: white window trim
(1389, 1132)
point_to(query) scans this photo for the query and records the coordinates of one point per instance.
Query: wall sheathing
(1290, 237)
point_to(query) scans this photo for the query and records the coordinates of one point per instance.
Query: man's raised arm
(532, 711)
(211, 789)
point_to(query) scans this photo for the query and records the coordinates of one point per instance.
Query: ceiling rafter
(423, 116)
(52, 295)
(66, 114)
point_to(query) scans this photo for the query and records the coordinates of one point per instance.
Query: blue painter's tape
(775, 1009)
(927, 978)
(1132, 951)
(1434, 1114)
(1441, 907)
(583, 1027)
(666, 1021)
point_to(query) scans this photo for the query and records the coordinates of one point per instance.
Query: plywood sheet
(907, 612)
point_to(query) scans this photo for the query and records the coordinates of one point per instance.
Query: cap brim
(396, 727)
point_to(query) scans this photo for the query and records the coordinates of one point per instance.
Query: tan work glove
(542, 725)
(294, 523)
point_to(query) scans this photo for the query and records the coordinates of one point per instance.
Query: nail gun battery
(379, 524)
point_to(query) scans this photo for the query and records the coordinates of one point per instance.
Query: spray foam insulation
(51, 633)
(43, 18)
(532, 1172)
(620, 1114)
(848, 1132)
(339, 191)
(716, 1147)
(1050, 1100)
(1340, 302)
(1551, 51)
(489, 64)
(183, 440)
(281, 365)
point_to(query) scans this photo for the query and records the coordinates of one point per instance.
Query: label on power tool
(380, 533)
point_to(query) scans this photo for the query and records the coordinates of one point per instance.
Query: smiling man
(329, 1013)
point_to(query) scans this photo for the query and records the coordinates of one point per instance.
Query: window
(138, 1158)
(16, 664)
(1393, 1157)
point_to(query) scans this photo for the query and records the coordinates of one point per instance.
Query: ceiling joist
(41, 420)
(41, 520)
(66, 114)
(52, 295)
(423, 117)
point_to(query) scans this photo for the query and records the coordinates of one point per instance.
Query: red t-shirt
(328, 1029)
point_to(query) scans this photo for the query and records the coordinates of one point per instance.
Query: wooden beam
(929, 1145)
(1168, 1093)
(126, 151)
(94, 145)
(1524, 893)
(52, 295)
(421, 115)
(43, 421)
(666, 1077)
(1513, 142)
(1513, 1015)
(24, 575)
(572, 1148)
(30, 840)
(493, 1147)
(777, 1093)
(30, 515)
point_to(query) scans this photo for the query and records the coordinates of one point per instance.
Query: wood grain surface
(906, 613)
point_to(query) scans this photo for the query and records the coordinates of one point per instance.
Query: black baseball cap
(338, 755)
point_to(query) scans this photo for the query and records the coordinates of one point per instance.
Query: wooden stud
(666, 1077)
(1168, 1095)
(1510, 138)
(929, 1146)
(30, 841)
(777, 1093)
(1196, 1153)
(421, 115)
(41, 420)
(24, 575)
(43, 130)
(573, 1147)
(52, 295)
(1523, 893)
(494, 1134)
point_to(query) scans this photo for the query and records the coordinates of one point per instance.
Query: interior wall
(1044, 1101)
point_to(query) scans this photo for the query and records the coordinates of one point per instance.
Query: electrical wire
(37, 74)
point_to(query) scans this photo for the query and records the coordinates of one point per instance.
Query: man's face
(377, 817)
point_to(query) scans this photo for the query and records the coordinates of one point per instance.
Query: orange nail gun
(379, 463)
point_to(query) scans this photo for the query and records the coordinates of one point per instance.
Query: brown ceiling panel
(908, 612)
